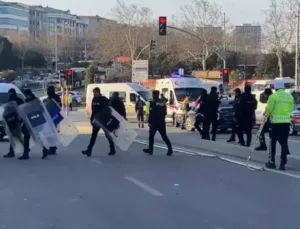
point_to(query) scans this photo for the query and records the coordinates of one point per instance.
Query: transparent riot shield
(116, 127)
(39, 123)
(66, 129)
(12, 124)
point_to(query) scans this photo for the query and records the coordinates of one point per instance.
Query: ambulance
(128, 93)
(175, 89)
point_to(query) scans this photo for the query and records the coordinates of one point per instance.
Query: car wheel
(189, 124)
(292, 130)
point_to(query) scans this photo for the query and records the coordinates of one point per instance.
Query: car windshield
(146, 95)
(4, 97)
(182, 93)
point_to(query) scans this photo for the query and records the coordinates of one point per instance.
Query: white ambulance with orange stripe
(175, 89)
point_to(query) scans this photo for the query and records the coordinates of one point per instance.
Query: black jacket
(236, 107)
(158, 112)
(210, 105)
(118, 105)
(56, 98)
(15, 98)
(98, 103)
(248, 105)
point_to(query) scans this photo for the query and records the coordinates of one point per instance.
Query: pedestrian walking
(266, 128)
(98, 103)
(236, 105)
(139, 109)
(246, 116)
(12, 96)
(200, 112)
(210, 111)
(157, 122)
(186, 109)
(279, 109)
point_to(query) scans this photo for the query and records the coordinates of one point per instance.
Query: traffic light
(69, 77)
(225, 75)
(96, 78)
(162, 26)
(152, 44)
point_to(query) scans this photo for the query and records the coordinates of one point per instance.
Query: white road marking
(238, 162)
(96, 161)
(144, 186)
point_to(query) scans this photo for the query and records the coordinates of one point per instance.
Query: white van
(176, 90)
(4, 88)
(128, 92)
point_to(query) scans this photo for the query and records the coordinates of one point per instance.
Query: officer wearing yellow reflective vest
(279, 109)
(147, 109)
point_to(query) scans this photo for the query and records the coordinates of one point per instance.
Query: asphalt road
(133, 190)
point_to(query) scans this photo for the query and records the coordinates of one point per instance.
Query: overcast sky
(239, 11)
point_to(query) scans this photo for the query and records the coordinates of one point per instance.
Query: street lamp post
(297, 46)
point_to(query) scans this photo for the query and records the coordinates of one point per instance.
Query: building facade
(14, 17)
(247, 38)
(95, 23)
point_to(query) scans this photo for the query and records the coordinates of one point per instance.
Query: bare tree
(203, 19)
(22, 44)
(135, 22)
(280, 27)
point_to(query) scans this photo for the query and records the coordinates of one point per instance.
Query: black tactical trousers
(94, 135)
(161, 128)
(279, 133)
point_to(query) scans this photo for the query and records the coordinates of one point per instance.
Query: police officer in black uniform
(139, 109)
(200, 112)
(246, 119)
(118, 104)
(52, 95)
(29, 97)
(236, 104)
(210, 110)
(158, 112)
(98, 103)
(12, 96)
(262, 140)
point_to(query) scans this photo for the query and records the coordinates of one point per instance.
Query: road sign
(139, 71)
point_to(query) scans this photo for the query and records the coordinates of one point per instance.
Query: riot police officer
(52, 95)
(12, 96)
(99, 102)
(236, 109)
(158, 112)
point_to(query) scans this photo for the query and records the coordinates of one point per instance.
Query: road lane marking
(96, 161)
(144, 186)
(237, 162)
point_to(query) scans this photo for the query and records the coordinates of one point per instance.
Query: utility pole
(224, 41)
(297, 46)
(85, 55)
(56, 51)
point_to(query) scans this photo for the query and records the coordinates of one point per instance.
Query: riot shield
(39, 123)
(66, 129)
(116, 127)
(12, 124)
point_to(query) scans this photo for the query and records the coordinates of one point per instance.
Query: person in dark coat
(236, 104)
(200, 112)
(118, 104)
(139, 109)
(246, 115)
(210, 111)
(99, 102)
(12, 96)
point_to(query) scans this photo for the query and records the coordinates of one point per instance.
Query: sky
(238, 11)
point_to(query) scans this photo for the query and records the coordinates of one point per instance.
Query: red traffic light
(225, 71)
(163, 20)
(69, 73)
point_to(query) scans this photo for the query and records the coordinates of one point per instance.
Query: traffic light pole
(67, 100)
(297, 47)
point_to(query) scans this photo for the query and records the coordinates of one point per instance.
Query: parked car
(225, 116)
(295, 124)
